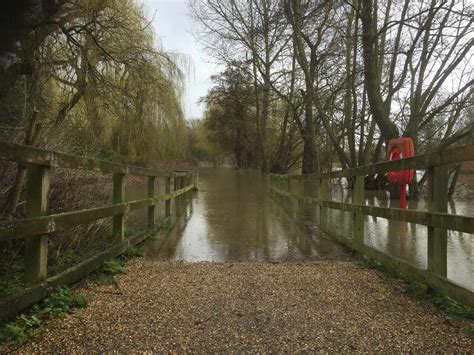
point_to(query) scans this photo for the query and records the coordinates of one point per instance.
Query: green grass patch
(27, 325)
(132, 252)
(105, 274)
(421, 290)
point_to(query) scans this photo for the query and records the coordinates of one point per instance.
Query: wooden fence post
(438, 237)
(119, 197)
(36, 247)
(323, 195)
(358, 197)
(195, 180)
(151, 194)
(177, 186)
(167, 202)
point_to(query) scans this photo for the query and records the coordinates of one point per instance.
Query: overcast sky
(175, 29)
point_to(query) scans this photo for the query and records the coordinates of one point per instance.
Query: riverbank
(250, 306)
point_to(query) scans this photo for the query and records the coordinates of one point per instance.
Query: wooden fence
(436, 218)
(39, 223)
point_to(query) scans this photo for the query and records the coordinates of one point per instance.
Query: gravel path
(250, 306)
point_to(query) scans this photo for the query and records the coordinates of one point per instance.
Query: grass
(106, 273)
(422, 292)
(63, 300)
(132, 252)
(27, 325)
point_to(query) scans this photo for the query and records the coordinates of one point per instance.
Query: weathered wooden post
(358, 197)
(195, 180)
(175, 200)
(36, 247)
(118, 197)
(438, 237)
(167, 202)
(151, 194)
(323, 195)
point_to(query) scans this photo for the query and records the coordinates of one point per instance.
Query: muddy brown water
(233, 217)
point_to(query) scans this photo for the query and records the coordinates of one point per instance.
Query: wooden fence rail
(436, 219)
(38, 224)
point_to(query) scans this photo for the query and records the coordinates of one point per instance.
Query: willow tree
(99, 86)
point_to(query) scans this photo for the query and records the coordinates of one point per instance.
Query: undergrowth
(27, 325)
(422, 291)
(106, 273)
(63, 300)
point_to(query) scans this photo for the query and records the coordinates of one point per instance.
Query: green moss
(27, 325)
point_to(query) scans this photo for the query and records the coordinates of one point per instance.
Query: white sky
(175, 29)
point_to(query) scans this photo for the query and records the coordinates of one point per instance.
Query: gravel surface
(250, 306)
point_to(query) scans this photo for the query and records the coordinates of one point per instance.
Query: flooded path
(233, 218)
(244, 301)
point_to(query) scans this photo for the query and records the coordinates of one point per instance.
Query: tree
(229, 116)
(97, 86)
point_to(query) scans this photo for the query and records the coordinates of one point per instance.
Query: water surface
(232, 217)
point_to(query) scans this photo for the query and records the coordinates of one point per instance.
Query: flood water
(233, 217)
(409, 241)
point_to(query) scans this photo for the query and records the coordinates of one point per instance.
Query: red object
(400, 148)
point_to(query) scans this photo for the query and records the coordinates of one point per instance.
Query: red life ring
(400, 148)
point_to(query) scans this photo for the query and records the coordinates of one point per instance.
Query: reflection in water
(409, 241)
(232, 217)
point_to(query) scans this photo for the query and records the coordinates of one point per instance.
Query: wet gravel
(250, 306)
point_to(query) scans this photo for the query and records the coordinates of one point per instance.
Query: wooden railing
(435, 218)
(39, 223)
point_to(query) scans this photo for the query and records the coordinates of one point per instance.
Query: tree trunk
(371, 75)
(309, 164)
